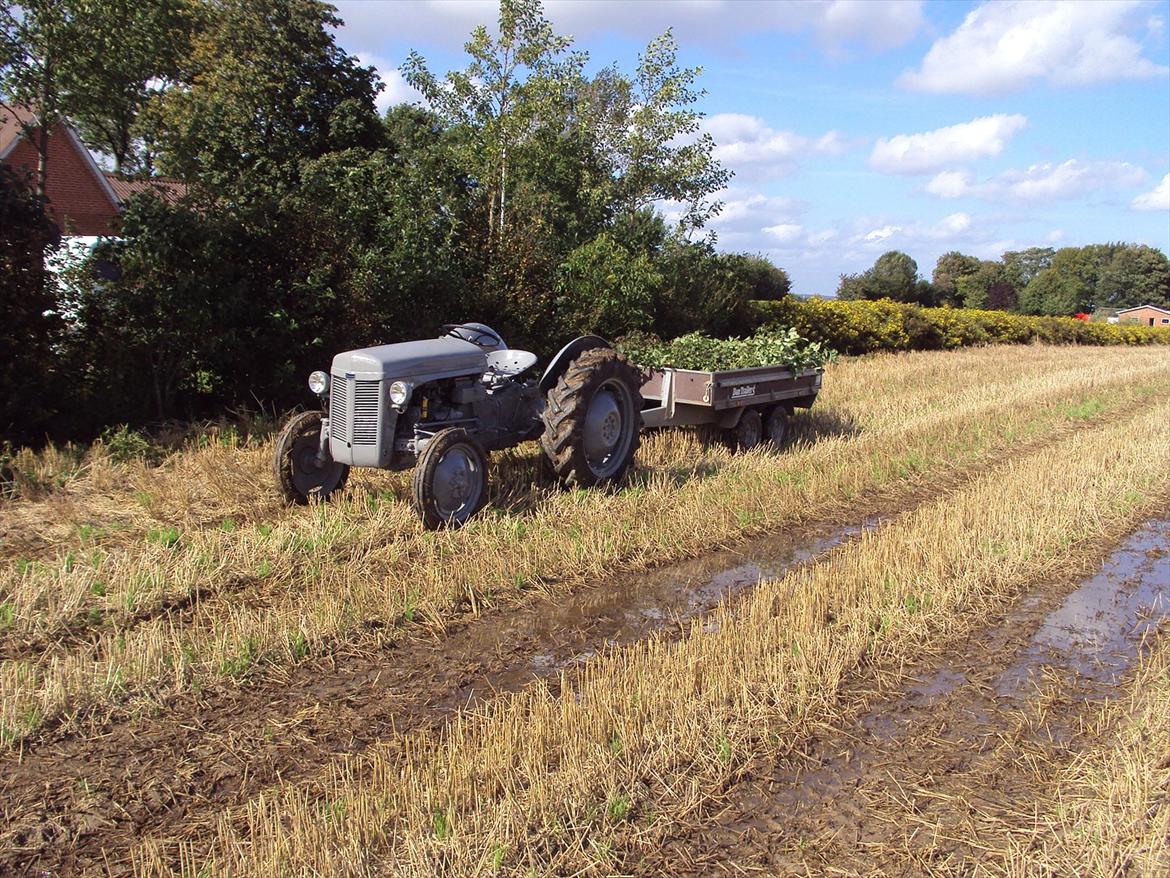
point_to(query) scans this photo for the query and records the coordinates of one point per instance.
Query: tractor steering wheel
(491, 335)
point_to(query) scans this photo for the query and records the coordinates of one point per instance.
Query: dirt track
(929, 776)
(172, 775)
(78, 801)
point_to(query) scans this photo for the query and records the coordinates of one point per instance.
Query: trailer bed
(688, 397)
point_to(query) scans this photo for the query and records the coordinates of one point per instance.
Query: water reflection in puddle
(1097, 631)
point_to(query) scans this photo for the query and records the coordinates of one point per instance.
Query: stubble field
(829, 658)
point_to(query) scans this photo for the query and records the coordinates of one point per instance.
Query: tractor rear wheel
(300, 472)
(593, 420)
(450, 479)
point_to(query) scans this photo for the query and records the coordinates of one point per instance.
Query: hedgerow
(862, 327)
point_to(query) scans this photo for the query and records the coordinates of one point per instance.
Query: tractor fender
(561, 362)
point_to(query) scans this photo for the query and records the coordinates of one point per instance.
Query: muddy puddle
(1098, 629)
(569, 629)
(953, 751)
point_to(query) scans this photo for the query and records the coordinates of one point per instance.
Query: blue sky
(858, 126)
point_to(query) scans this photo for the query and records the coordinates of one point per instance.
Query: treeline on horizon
(528, 196)
(1037, 281)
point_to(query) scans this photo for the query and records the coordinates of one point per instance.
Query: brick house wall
(81, 200)
(1146, 315)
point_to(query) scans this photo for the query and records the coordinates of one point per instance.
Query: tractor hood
(427, 360)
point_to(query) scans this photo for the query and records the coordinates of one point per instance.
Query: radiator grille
(339, 407)
(365, 412)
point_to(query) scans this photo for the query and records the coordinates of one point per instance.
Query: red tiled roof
(168, 189)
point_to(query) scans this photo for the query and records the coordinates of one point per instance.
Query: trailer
(750, 405)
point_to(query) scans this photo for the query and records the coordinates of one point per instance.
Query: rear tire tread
(568, 404)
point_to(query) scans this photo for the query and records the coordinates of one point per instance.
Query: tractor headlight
(319, 382)
(399, 393)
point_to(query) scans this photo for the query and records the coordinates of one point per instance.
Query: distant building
(1146, 315)
(83, 200)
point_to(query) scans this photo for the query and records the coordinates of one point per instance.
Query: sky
(854, 127)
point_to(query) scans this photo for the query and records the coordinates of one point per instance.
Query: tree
(512, 86)
(38, 38)
(990, 287)
(525, 92)
(1023, 265)
(1136, 275)
(128, 50)
(32, 324)
(763, 280)
(1054, 293)
(264, 88)
(893, 276)
(947, 271)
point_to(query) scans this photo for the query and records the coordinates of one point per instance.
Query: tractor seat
(510, 363)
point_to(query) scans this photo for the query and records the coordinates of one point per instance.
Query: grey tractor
(441, 405)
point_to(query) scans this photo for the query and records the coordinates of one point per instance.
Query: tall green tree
(1136, 275)
(1023, 265)
(525, 92)
(893, 276)
(38, 41)
(992, 286)
(129, 51)
(948, 269)
(264, 87)
(1055, 293)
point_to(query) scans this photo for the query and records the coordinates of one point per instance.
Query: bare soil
(929, 776)
(75, 800)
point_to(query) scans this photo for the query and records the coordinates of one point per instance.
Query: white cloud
(786, 232)
(881, 234)
(745, 214)
(955, 224)
(931, 150)
(1003, 46)
(396, 90)
(949, 184)
(834, 24)
(1045, 181)
(1157, 198)
(748, 146)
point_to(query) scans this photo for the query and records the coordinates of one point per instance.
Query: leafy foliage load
(885, 325)
(696, 350)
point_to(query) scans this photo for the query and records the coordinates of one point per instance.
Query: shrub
(862, 327)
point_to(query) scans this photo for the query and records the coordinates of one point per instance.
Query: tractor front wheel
(593, 420)
(450, 479)
(301, 472)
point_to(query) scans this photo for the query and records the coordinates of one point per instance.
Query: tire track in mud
(82, 630)
(80, 801)
(931, 774)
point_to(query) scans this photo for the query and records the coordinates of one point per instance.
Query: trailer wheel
(776, 426)
(593, 419)
(300, 473)
(748, 433)
(450, 479)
